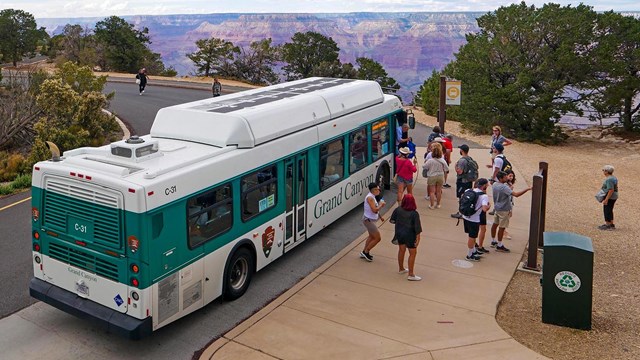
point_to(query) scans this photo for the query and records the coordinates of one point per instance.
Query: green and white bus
(141, 232)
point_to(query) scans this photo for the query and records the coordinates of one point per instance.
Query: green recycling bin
(567, 280)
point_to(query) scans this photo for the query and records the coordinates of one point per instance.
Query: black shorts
(410, 243)
(471, 228)
(483, 218)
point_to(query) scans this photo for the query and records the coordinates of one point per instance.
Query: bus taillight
(36, 235)
(134, 243)
(36, 247)
(134, 282)
(135, 268)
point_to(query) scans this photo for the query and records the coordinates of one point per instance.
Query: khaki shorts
(435, 180)
(502, 218)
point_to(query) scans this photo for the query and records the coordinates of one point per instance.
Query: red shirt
(405, 168)
(448, 144)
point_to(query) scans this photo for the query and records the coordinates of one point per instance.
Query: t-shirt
(499, 140)
(483, 200)
(461, 164)
(435, 167)
(448, 144)
(611, 182)
(432, 136)
(501, 196)
(407, 224)
(497, 163)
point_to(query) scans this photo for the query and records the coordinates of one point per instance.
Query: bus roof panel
(253, 117)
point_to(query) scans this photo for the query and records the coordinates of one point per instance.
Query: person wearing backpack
(500, 162)
(474, 204)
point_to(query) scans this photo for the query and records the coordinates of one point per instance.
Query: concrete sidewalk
(352, 309)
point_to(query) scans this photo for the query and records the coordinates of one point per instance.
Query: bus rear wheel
(238, 274)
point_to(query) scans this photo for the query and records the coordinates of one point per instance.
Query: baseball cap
(499, 147)
(464, 147)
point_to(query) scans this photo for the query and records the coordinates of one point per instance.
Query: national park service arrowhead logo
(567, 281)
(267, 240)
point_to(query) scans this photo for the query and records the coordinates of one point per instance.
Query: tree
(334, 69)
(256, 63)
(516, 71)
(429, 94)
(616, 81)
(307, 51)
(19, 36)
(214, 56)
(72, 116)
(369, 69)
(122, 46)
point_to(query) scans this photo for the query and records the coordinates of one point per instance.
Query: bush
(21, 182)
(10, 165)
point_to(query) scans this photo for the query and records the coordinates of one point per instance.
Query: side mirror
(411, 119)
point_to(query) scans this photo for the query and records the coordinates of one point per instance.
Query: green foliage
(123, 48)
(617, 70)
(214, 56)
(307, 51)
(516, 71)
(334, 70)
(169, 72)
(256, 63)
(369, 69)
(429, 93)
(71, 105)
(19, 35)
(21, 182)
(11, 165)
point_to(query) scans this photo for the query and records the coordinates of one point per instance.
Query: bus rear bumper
(108, 319)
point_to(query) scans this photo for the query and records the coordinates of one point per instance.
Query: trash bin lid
(568, 239)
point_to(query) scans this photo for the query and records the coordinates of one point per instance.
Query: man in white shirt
(472, 223)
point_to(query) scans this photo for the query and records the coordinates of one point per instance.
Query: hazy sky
(103, 8)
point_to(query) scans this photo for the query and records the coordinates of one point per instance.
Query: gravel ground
(574, 177)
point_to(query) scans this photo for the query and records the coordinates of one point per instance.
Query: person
(402, 136)
(435, 133)
(610, 187)
(473, 223)
(216, 88)
(369, 219)
(466, 173)
(141, 80)
(502, 194)
(498, 138)
(407, 232)
(436, 168)
(404, 172)
(447, 144)
(498, 161)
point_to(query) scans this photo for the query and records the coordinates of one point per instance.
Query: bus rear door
(296, 196)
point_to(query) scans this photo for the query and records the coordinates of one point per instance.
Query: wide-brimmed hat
(438, 139)
(405, 150)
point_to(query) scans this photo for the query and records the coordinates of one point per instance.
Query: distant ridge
(410, 45)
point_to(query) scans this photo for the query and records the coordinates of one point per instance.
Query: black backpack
(470, 171)
(506, 165)
(468, 200)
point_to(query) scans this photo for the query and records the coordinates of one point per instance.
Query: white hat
(438, 139)
(405, 150)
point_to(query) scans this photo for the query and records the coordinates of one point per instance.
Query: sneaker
(140, 94)
(426, 197)
(456, 216)
(438, 206)
(366, 256)
(492, 212)
(477, 253)
(403, 271)
(473, 257)
(502, 248)
(431, 207)
(606, 227)
(446, 186)
(482, 250)
(494, 243)
(414, 278)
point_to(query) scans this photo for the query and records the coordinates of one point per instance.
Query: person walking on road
(141, 80)
(502, 194)
(371, 216)
(610, 188)
(473, 223)
(407, 233)
(216, 87)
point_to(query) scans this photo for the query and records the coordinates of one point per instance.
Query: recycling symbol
(567, 281)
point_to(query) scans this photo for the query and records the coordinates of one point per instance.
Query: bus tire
(383, 177)
(238, 274)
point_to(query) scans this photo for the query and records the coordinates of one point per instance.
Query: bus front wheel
(238, 274)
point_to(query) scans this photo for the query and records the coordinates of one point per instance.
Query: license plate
(82, 289)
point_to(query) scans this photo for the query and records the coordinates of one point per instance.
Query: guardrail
(538, 211)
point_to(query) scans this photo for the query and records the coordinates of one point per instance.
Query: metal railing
(538, 211)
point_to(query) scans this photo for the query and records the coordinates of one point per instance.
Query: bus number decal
(80, 228)
(171, 190)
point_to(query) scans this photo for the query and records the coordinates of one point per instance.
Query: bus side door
(296, 198)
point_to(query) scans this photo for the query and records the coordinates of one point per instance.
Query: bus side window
(259, 191)
(209, 215)
(379, 139)
(331, 163)
(358, 146)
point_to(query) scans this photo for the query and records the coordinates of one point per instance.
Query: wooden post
(534, 225)
(544, 170)
(442, 115)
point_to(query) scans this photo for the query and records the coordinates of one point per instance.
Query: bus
(141, 232)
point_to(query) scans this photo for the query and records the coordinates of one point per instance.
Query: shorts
(483, 218)
(401, 180)
(410, 244)
(471, 228)
(370, 225)
(435, 180)
(502, 218)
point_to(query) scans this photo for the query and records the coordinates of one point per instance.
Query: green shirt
(611, 183)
